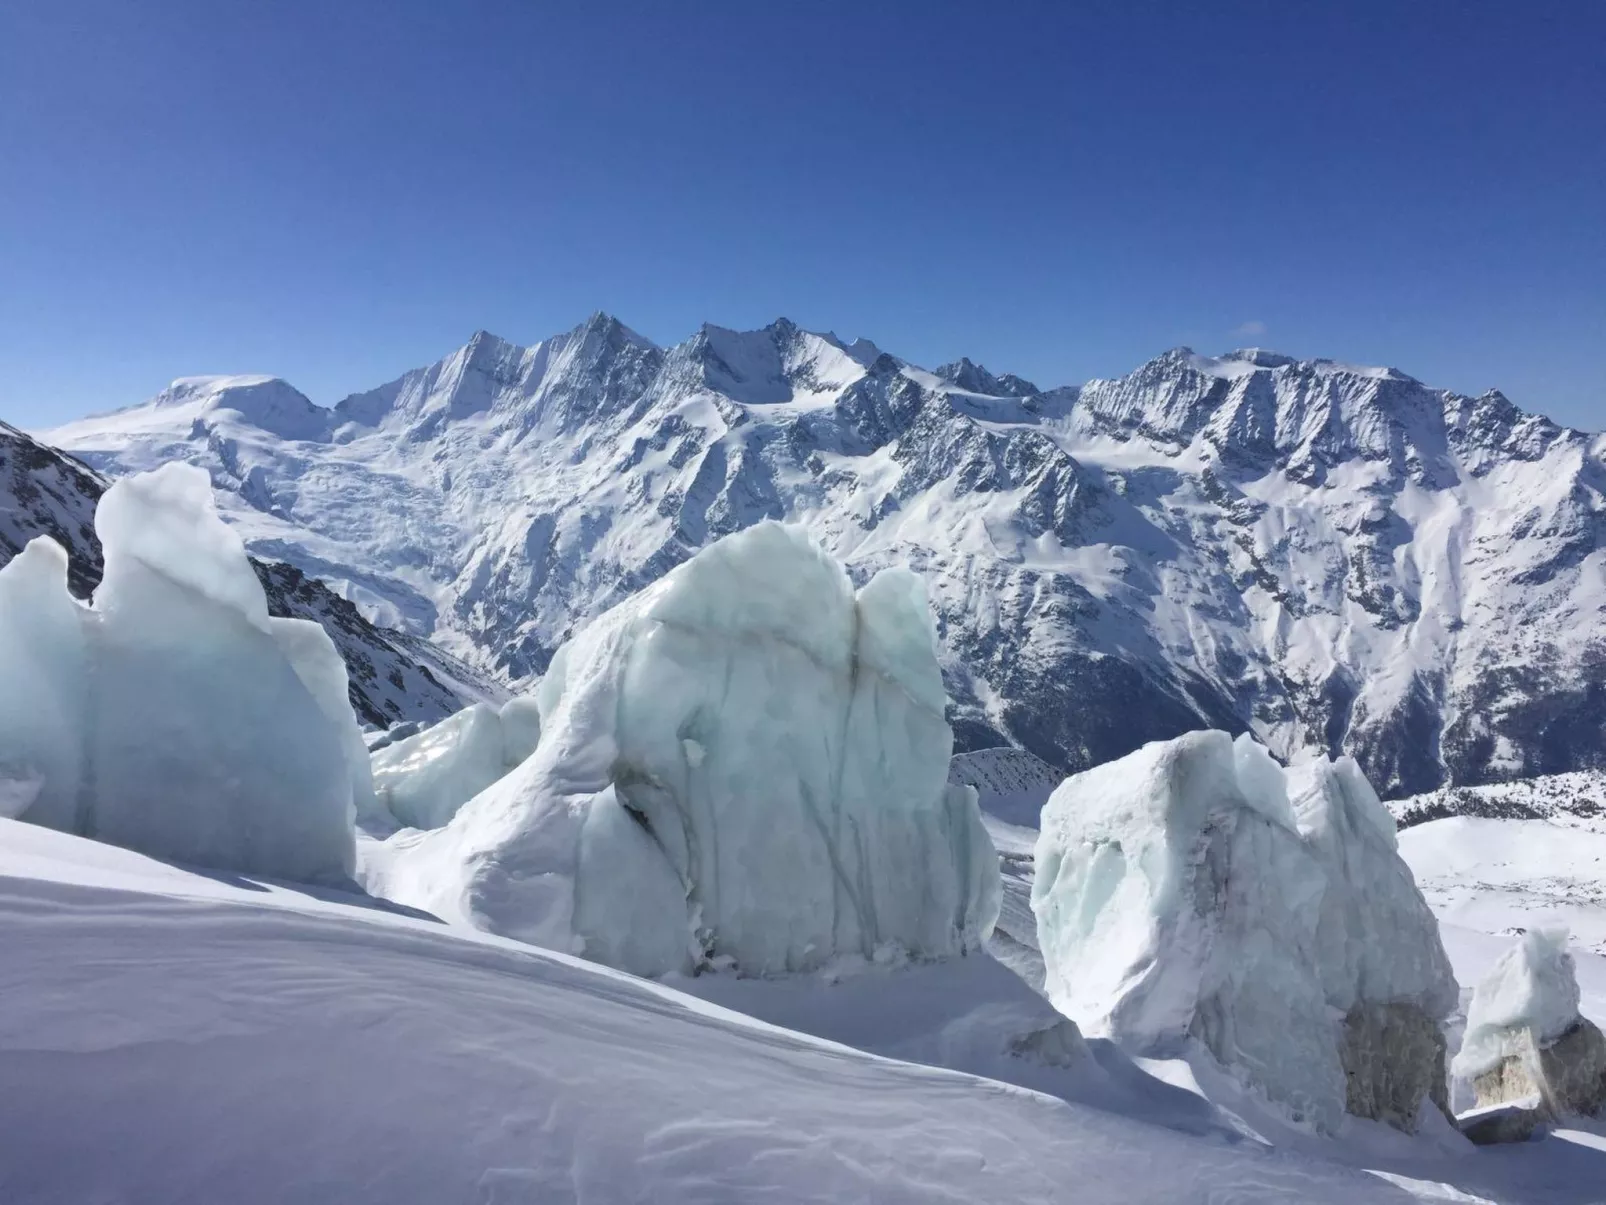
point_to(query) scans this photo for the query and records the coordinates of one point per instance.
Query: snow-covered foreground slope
(167, 1035)
(1338, 558)
(391, 676)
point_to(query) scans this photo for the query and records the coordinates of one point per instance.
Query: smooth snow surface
(744, 764)
(174, 1037)
(1503, 876)
(1180, 894)
(174, 716)
(1532, 988)
(422, 780)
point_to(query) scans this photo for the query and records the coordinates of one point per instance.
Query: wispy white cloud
(1253, 329)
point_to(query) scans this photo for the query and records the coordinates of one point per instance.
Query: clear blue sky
(334, 192)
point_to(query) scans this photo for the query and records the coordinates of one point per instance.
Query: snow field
(172, 1036)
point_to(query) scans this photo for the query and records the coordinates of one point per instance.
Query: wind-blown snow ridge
(1340, 559)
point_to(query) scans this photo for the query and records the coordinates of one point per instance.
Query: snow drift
(174, 716)
(743, 765)
(1180, 894)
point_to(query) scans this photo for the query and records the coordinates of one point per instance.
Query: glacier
(173, 715)
(1196, 890)
(743, 767)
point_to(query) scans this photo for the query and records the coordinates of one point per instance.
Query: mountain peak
(778, 363)
(1260, 357)
(271, 405)
(484, 347)
(604, 326)
(863, 351)
(185, 390)
(966, 374)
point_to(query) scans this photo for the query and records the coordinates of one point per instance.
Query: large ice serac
(1180, 895)
(174, 716)
(745, 765)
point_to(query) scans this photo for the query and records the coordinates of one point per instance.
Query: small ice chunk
(1531, 989)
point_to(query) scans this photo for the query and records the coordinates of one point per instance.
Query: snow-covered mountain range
(393, 676)
(1338, 558)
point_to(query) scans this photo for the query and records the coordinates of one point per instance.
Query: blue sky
(337, 192)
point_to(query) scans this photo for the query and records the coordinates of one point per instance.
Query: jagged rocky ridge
(44, 492)
(1337, 558)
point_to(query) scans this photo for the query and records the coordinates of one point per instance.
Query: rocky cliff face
(46, 493)
(1338, 558)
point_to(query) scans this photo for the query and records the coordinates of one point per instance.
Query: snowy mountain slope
(44, 492)
(175, 1036)
(1580, 794)
(1338, 558)
(1011, 784)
